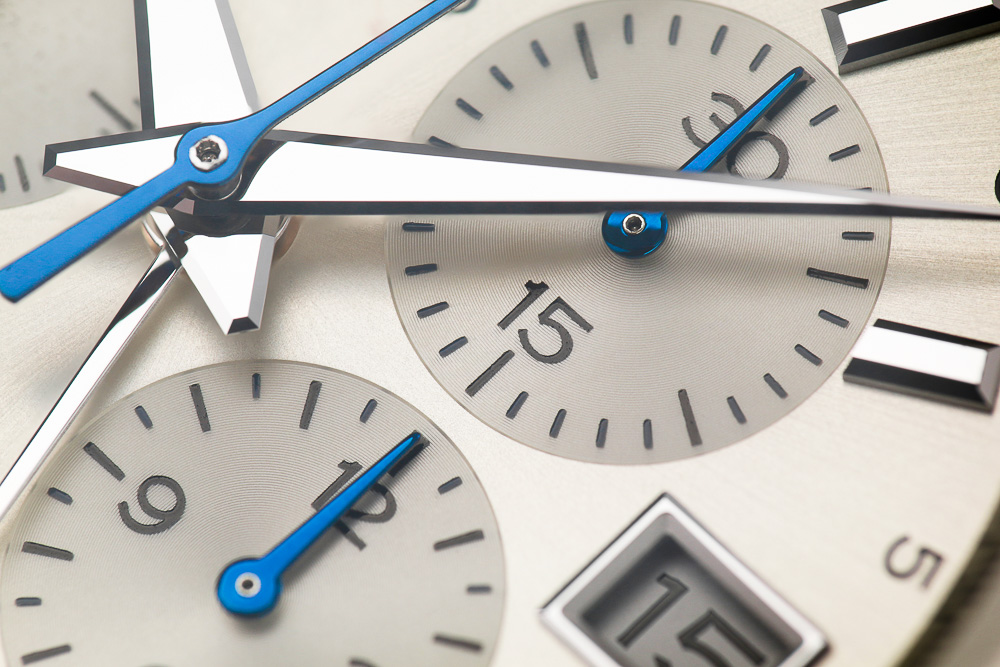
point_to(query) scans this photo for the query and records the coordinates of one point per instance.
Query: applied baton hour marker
(928, 364)
(868, 32)
(455, 642)
(310, 406)
(199, 408)
(45, 550)
(28, 602)
(3, 184)
(587, 53)
(459, 540)
(629, 28)
(420, 226)
(858, 236)
(647, 434)
(255, 386)
(103, 460)
(38, 656)
(479, 589)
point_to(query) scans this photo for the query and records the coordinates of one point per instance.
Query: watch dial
(122, 541)
(846, 509)
(544, 332)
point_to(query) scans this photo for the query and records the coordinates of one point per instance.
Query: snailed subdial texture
(118, 550)
(546, 332)
(65, 77)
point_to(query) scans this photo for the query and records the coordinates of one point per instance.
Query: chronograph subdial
(139, 518)
(555, 336)
(65, 76)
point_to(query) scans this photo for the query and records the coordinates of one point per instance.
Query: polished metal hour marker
(928, 364)
(868, 32)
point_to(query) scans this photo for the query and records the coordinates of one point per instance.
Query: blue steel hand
(717, 148)
(24, 275)
(653, 230)
(251, 587)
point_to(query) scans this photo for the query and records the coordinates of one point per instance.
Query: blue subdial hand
(209, 159)
(251, 587)
(716, 149)
(638, 233)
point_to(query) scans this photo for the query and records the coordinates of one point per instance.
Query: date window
(668, 594)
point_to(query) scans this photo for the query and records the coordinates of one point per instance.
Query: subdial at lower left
(118, 553)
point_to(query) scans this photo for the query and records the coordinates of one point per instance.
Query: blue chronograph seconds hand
(251, 587)
(635, 233)
(716, 149)
(209, 158)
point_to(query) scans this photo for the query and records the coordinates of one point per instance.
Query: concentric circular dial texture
(67, 75)
(119, 546)
(536, 326)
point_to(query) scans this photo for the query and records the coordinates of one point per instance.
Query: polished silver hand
(182, 85)
(328, 175)
(140, 303)
(210, 159)
(316, 174)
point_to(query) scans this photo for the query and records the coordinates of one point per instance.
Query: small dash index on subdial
(458, 643)
(38, 656)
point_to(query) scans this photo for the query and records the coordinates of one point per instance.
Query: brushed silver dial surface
(65, 75)
(122, 540)
(813, 504)
(718, 333)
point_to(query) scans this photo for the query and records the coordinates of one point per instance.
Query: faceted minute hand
(251, 587)
(208, 158)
